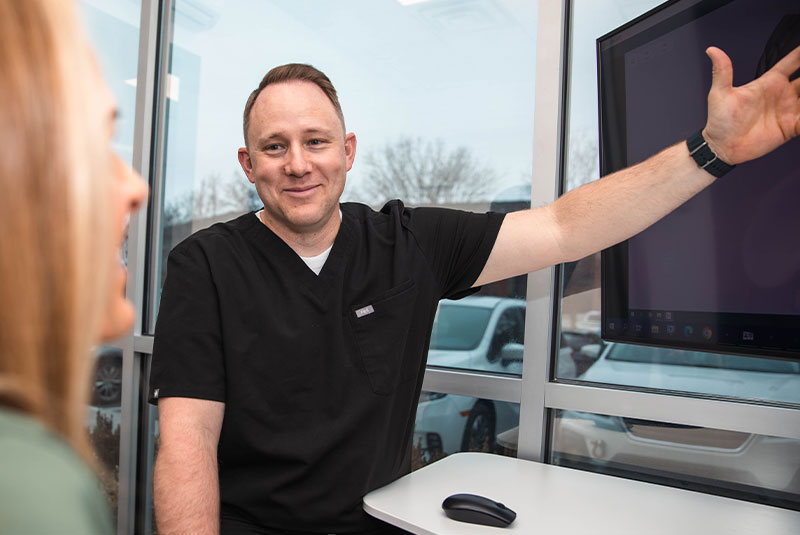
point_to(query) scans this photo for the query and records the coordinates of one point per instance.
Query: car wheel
(107, 382)
(479, 433)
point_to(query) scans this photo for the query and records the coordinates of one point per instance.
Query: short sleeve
(187, 351)
(456, 244)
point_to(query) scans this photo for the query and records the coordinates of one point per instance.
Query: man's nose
(297, 162)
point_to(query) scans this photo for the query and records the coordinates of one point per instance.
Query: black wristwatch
(705, 157)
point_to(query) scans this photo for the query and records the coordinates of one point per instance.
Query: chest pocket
(380, 330)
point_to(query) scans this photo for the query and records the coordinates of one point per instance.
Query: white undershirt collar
(314, 263)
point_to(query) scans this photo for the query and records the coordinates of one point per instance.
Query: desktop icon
(707, 332)
(688, 330)
(654, 329)
(748, 336)
(670, 329)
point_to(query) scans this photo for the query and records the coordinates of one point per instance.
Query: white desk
(556, 500)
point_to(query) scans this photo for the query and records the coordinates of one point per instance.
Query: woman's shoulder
(45, 485)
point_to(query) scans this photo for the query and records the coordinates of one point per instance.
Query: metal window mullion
(479, 385)
(143, 343)
(745, 417)
(137, 258)
(158, 159)
(547, 134)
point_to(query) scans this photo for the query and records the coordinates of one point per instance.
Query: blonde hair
(55, 234)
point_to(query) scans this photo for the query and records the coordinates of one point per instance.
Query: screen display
(722, 272)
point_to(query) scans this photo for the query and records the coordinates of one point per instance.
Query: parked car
(484, 334)
(585, 347)
(588, 321)
(107, 386)
(694, 452)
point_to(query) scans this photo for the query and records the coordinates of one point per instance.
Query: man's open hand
(751, 120)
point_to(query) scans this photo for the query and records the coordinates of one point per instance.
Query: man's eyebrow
(318, 130)
(312, 130)
(276, 136)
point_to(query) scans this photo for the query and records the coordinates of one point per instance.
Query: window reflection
(104, 417)
(432, 129)
(743, 465)
(482, 333)
(693, 371)
(447, 424)
(589, 359)
(113, 29)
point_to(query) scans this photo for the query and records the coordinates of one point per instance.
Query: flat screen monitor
(722, 272)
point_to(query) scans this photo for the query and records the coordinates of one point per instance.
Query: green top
(44, 486)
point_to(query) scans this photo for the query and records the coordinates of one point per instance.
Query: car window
(459, 327)
(510, 329)
(658, 355)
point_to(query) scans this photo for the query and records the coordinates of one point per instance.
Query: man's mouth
(301, 190)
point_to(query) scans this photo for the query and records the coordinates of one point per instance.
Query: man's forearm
(614, 208)
(596, 215)
(186, 491)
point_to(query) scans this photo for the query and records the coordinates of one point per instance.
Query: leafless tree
(424, 172)
(215, 196)
(582, 164)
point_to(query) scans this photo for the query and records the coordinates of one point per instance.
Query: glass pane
(145, 519)
(113, 29)
(580, 305)
(479, 333)
(582, 354)
(742, 465)
(405, 74)
(737, 464)
(448, 424)
(692, 371)
(103, 419)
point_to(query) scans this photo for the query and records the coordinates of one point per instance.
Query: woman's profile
(64, 202)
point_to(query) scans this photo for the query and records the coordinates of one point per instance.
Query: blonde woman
(64, 202)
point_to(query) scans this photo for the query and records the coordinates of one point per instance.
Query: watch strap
(705, 157)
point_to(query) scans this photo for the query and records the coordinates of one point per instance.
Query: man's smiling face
(297, 157)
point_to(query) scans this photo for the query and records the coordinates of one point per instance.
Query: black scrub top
(320, 374)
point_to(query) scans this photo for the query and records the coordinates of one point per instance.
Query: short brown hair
(289, 73)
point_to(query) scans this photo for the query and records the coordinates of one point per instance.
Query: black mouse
(478, 510)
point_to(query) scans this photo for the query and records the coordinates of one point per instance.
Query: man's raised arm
(186, 481)
(743, 123)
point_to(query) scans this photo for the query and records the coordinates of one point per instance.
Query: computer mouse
(478, 510)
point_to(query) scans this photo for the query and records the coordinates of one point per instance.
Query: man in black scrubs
(290, 345)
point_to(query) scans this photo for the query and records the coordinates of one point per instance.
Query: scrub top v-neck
(320, 374)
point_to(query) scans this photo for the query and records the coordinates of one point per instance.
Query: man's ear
(247, 164)
(350, 149)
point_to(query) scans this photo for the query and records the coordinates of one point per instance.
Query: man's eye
(316, 142)
(272, 148)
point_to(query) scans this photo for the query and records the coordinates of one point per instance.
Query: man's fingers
(721, 68)
(789, 63)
